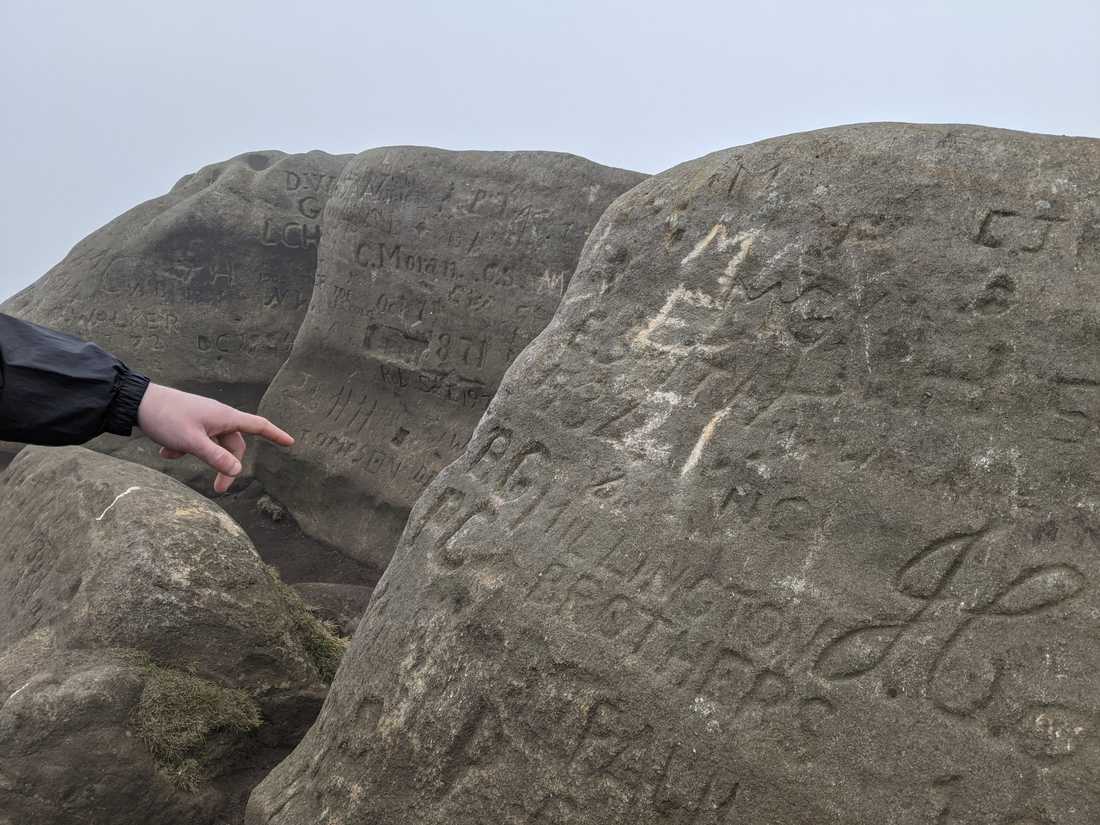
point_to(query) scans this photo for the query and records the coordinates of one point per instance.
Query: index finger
(258, 425)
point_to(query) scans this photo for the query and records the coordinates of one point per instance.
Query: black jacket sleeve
(58, 389)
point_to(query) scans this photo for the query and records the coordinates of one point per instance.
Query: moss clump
(324, 648)
(177, 715)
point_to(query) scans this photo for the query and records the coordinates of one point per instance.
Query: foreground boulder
(436, 269)
(201, 289)
(151, 667)
(789, 516)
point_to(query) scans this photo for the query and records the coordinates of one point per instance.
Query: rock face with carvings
(790, 515)
(152, 669)
(203, 288)
(435, 270)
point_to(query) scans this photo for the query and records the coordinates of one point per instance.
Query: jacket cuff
(122, 414)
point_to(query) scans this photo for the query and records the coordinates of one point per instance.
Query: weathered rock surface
(340, 605)
(435, 270)
(152, 668)
(789, 516)
(201, 289)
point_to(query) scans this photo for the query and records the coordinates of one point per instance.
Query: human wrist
(123, 412)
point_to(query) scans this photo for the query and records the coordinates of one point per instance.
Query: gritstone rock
(435, 270)
(201, 289)
(151, 667)
(789, 516)
(338, 605)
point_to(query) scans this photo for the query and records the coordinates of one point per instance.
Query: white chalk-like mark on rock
(708, 239)
(655, 411)
(701, 442)
(688, 316)
(18, 691)
(799, 586)
(721, 233)
(706, 709)
(228, 524)
(671, 323)
(744, 241)
(125, 492)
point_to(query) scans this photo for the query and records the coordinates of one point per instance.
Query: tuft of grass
(324, 647)
(326, 650)
(179, 712)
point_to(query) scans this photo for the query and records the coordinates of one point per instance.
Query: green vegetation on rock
(179, 712)
(324, 648)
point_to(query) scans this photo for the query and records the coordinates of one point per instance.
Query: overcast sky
(108, 103)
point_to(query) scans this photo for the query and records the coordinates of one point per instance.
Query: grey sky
(108, 103)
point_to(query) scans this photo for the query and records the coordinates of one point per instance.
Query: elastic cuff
(129, 390)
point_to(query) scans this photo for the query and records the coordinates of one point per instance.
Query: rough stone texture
(202, 288)
(789, 516)
(436, 269)
(151, 667)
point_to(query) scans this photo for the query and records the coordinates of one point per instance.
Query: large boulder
(152, 668)
(436, 269)
(202, 288)
(791, 515)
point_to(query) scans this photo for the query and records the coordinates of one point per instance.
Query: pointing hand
(187, 424)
